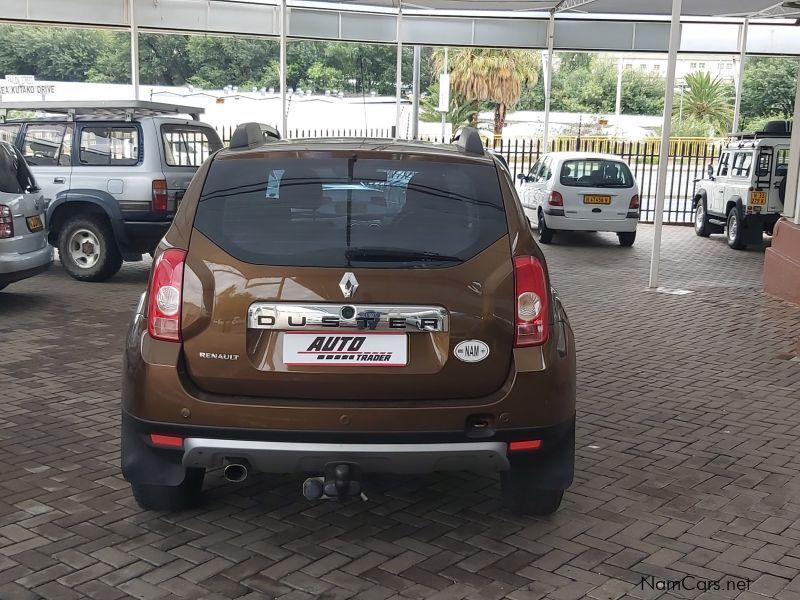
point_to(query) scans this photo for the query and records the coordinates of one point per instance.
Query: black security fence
(687, 161)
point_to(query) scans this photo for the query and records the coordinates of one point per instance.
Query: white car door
(527, 186)
(47, 148)
(716, 196)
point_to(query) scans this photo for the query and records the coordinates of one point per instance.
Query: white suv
(581, 191)
(743, 196)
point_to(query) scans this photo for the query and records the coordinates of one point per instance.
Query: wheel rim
(733, 227)
(84, 248)
(699, 216)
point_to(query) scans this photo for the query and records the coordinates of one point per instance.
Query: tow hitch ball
(340, 482)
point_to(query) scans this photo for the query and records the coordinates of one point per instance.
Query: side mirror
(522, 177)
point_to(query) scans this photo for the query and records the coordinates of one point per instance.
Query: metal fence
(687, 161)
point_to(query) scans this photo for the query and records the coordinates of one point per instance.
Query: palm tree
(707, 100)
(496, 75)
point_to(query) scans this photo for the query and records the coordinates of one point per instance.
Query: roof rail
(469, 141)
(249, 135)
(102, 109)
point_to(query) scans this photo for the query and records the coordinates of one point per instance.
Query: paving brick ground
(688, 446)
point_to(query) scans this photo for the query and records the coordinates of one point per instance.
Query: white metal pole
(548, 79)
(791, 203)
(444, 114)
(282, 68)
(619, 86)
(399, 81)
(415, 88)
(737, 107)
(134, 50)
(663, 155)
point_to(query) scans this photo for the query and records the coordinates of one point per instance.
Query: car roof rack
(469, 141)
(250, 135)
(103, 109)
(779, 129)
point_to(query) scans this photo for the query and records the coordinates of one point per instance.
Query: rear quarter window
(187, 146)
(332, 212)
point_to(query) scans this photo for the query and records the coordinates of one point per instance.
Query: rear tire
(626, 238)
(167, 498)
(701, 224)
(87, 248)
(544, 232)
(735, 231)
(523, 498)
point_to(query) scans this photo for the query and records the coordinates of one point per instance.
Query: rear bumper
(16, 267)
(572, 224)
(295, 457)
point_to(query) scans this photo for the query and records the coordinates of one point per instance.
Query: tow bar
(340, 482)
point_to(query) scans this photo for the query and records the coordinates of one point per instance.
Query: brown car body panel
(166, 386)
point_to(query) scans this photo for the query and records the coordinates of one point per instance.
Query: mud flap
(552, 469)
(144, 465)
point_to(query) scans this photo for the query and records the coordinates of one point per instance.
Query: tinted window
(335, 212)
(8, 133)
(187, 146)
(42, 145)
(109, 146)
(596, 172)
(15, 177)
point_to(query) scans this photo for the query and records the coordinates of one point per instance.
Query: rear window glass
(186, 146)
(15, 177)
(596, 172)
(338, 212)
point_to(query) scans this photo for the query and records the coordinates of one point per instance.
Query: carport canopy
(743, 26)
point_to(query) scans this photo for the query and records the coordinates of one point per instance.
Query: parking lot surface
(688, 460)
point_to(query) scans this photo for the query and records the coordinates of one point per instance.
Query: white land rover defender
(743, 196)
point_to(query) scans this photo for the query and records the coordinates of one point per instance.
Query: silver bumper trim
(296, 457)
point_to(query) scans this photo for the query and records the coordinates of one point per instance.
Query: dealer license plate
(345, 349)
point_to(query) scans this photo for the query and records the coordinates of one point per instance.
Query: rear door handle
(59, 180)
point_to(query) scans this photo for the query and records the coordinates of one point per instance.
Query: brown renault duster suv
(341, 307)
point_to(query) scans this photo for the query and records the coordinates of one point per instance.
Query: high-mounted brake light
(166, 293)
(634, 203)
(6, 223)
(160, 195)
(555, 199)
(531, 326)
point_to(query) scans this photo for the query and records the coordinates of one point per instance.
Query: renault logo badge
(348, 285)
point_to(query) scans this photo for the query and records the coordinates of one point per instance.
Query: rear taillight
(634, 203)
(166, 292)
(532, 292)
(6, 222)
(159, 195)
(555, 199)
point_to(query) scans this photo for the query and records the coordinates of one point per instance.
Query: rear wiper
(397, 254)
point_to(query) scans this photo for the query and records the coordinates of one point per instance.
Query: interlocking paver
(687, 459)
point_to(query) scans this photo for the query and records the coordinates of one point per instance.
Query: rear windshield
(596, 172)
(187, 146)
(338, 212)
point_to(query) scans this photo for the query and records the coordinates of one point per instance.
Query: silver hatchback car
(24, 251)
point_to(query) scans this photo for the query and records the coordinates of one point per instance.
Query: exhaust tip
(235, 472)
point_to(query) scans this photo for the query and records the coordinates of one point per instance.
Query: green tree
(494, 75)
(460, 114)
(642, 93)
(707, 100)
(768, 87)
